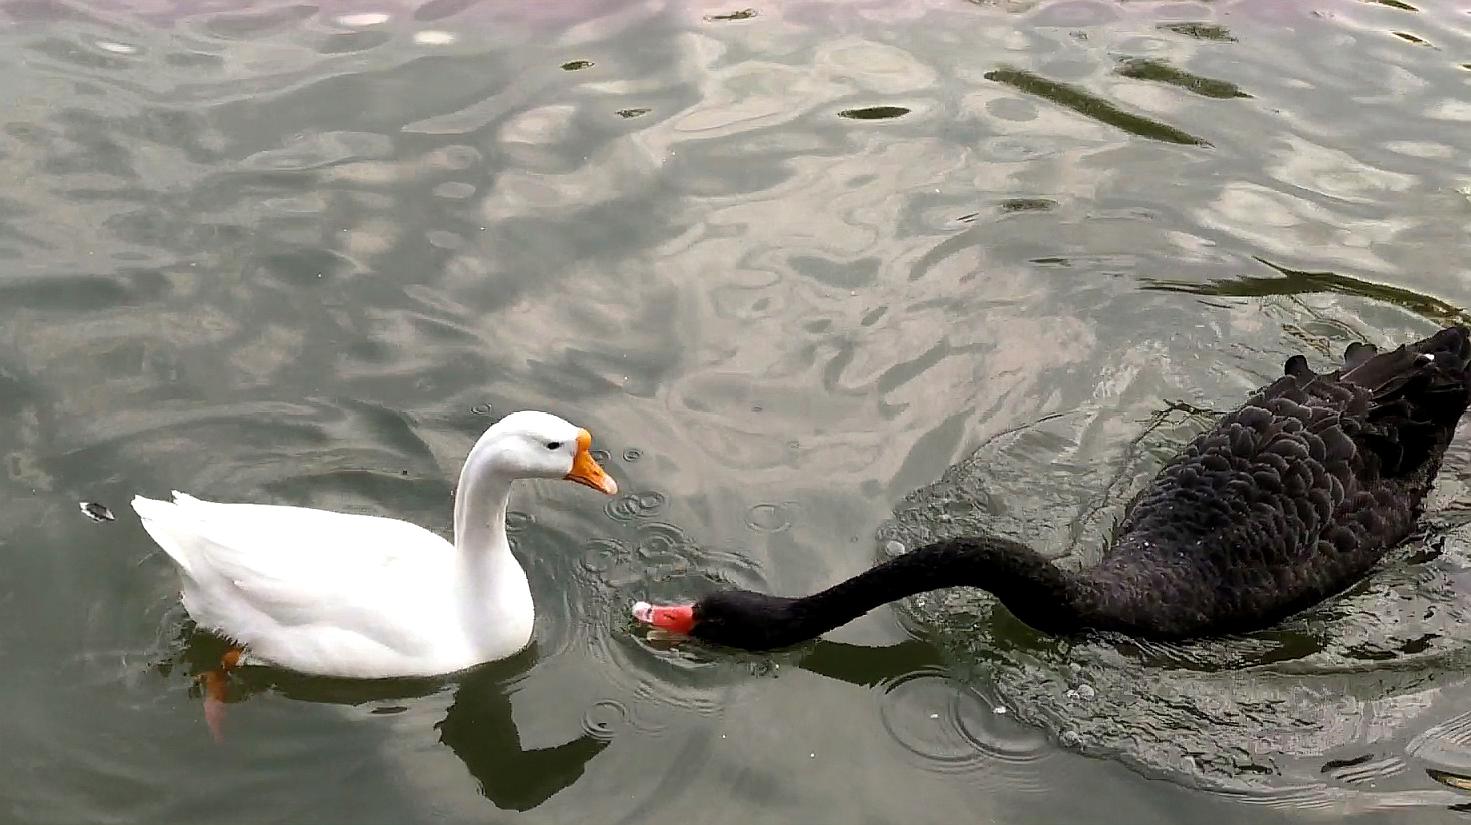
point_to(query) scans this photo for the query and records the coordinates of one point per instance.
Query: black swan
(1288, 500)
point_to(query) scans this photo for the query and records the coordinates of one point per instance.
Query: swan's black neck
(1030, 586)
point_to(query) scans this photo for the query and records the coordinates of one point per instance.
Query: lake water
(818, 275)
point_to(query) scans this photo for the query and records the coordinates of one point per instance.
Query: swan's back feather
(1289, 499)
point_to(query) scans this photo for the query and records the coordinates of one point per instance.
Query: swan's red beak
(674, 618)
(586, 470)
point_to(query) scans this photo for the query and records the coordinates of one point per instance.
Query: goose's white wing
(256, 570)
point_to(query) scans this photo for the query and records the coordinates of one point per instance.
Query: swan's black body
(1288, 500)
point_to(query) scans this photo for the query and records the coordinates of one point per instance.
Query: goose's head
(531, 444)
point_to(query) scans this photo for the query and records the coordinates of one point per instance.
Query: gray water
(818, 276)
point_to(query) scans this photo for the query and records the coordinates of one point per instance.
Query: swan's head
(735, 618)
(531, 444)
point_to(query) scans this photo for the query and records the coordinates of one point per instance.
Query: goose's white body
(333, 593)
(368, 597)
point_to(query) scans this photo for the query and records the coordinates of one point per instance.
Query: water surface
(818, 276)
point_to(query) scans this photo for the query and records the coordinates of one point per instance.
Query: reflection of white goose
(363, 596)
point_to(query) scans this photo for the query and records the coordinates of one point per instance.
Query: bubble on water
(895, 548)
(480, 409)
(434, 37)
(632, 454)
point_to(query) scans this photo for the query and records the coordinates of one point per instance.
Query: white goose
(368, 597)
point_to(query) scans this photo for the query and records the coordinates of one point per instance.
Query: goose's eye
(554, 445)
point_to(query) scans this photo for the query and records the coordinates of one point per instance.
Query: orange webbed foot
(215, 683)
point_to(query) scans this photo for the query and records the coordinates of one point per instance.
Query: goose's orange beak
(585, 469)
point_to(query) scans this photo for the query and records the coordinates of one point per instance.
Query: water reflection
(1301, 282)
(1092, 106)
(1144, 68)
(477, 727)
(874, 113)
(278, 252)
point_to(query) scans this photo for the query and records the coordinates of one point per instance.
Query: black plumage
(1291, 498)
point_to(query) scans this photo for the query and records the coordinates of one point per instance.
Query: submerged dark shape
(96, 512)
(1290, 499)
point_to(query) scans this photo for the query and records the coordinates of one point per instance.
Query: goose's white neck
(481, 501)
(494, 589)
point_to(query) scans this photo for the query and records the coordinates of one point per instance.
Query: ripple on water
(660, 677)
(1365, 770)
(634, 506)
(601, 555)
(1447, 744)
(517, 521)
(454, 190)
(640, 558)
(661, 549)
(1319, 712)
(950, 729)
(605, 719)
(769, 518)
